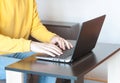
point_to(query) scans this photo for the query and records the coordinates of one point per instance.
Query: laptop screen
(88, 36)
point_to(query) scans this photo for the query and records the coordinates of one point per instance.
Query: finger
(68, 45)
(56, 48)
(71, 46)
(47, 52)
(61, 43)
(53, 49)
(42, 49)
(49, 49)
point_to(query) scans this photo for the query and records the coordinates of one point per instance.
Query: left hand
(61, 42)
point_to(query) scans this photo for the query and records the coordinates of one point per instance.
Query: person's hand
(46, 48)
(61, 42)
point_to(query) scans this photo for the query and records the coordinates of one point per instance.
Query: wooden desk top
(69, 71)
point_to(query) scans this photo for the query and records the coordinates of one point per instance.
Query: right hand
(46, 48)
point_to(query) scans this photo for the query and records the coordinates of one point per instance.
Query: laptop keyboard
(66, 53)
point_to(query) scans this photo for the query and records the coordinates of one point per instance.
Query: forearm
(39, 31)
(11, 45)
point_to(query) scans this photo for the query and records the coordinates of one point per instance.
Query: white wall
(82, 10)
(114, 68)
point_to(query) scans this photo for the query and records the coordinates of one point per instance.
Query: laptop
(86, 41)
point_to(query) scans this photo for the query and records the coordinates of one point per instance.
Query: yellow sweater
(18, 20)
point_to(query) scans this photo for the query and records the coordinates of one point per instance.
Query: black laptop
(86, 41)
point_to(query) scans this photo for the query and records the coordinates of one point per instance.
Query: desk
(74, 71)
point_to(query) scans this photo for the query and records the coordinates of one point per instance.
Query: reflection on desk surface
(72, 68)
